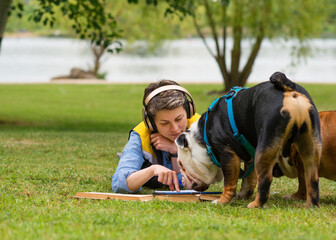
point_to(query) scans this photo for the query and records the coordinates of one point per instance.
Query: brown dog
(292, 167)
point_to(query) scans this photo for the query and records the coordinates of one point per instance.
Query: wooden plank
(118, 196)
(187, 197)
(178, 198)
(139, 197)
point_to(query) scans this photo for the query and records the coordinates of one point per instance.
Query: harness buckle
(239, 137)
(230, 94)
(233, 91)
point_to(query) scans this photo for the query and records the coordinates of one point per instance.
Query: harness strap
(239, 137)
(209, 150)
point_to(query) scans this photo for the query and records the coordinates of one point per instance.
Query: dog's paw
(254, 204)
(221, 201)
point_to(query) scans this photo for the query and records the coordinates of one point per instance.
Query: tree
(89, 18)
(136, 22)
(250, 20)
(148, 23)
(219, 19)
(5, 7)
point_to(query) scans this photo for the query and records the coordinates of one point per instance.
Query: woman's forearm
(139, 178)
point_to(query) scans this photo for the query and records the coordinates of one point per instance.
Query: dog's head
(197, 169)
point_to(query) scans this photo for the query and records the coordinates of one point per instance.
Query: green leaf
(20, 6)
(225, 2)
(45, 21)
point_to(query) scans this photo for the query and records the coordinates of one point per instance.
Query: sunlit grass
(56, 140)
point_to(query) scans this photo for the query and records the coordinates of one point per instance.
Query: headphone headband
(165, 88)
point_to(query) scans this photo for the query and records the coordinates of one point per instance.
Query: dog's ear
(182, 141)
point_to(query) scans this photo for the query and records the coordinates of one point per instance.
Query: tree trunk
(253, 55)
(5, 6)
(236, 77)
(97, 51)
(226, 76)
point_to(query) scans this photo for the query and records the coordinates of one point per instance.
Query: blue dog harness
(240, 137)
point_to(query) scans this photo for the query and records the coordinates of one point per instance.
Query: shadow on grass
(280, 202)
(77, 126)
(328, 200)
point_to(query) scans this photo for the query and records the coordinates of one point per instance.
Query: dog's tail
(281, 82)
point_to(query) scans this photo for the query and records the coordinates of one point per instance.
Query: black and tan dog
(292, 166)
(272, 116)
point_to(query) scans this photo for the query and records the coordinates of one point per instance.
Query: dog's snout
(182, 141)
(194, 185)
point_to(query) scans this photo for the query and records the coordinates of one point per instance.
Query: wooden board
(178, 198)
(149, 197)
(188, 197)
(98, 195)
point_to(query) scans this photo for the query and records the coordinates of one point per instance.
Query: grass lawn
(56, 140)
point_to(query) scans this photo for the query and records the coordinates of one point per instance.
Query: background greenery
(56, 140)
(136, 20)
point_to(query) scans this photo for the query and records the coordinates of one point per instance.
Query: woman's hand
(163, 144)
(166, 176)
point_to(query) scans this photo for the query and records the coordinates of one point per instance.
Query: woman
(150, 157)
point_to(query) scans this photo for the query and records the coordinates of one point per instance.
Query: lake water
(27, 60)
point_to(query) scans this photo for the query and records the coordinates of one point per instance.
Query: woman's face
(171, 123)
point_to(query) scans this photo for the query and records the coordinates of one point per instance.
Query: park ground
(60, 139)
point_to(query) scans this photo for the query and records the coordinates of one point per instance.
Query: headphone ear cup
(190, 108)
(146, 119)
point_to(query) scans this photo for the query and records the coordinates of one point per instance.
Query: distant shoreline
(21, 35)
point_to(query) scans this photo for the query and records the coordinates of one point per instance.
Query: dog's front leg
(231, 170)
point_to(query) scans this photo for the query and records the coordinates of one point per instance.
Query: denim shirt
(131, 161)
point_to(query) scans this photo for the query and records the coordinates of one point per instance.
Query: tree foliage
(215, 21)
(130, 22)
(248, 20)
(148, 22)
(88, 18)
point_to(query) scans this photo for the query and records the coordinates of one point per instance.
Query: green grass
(56, 140)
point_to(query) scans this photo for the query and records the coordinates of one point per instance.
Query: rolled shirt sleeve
(130, 161)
